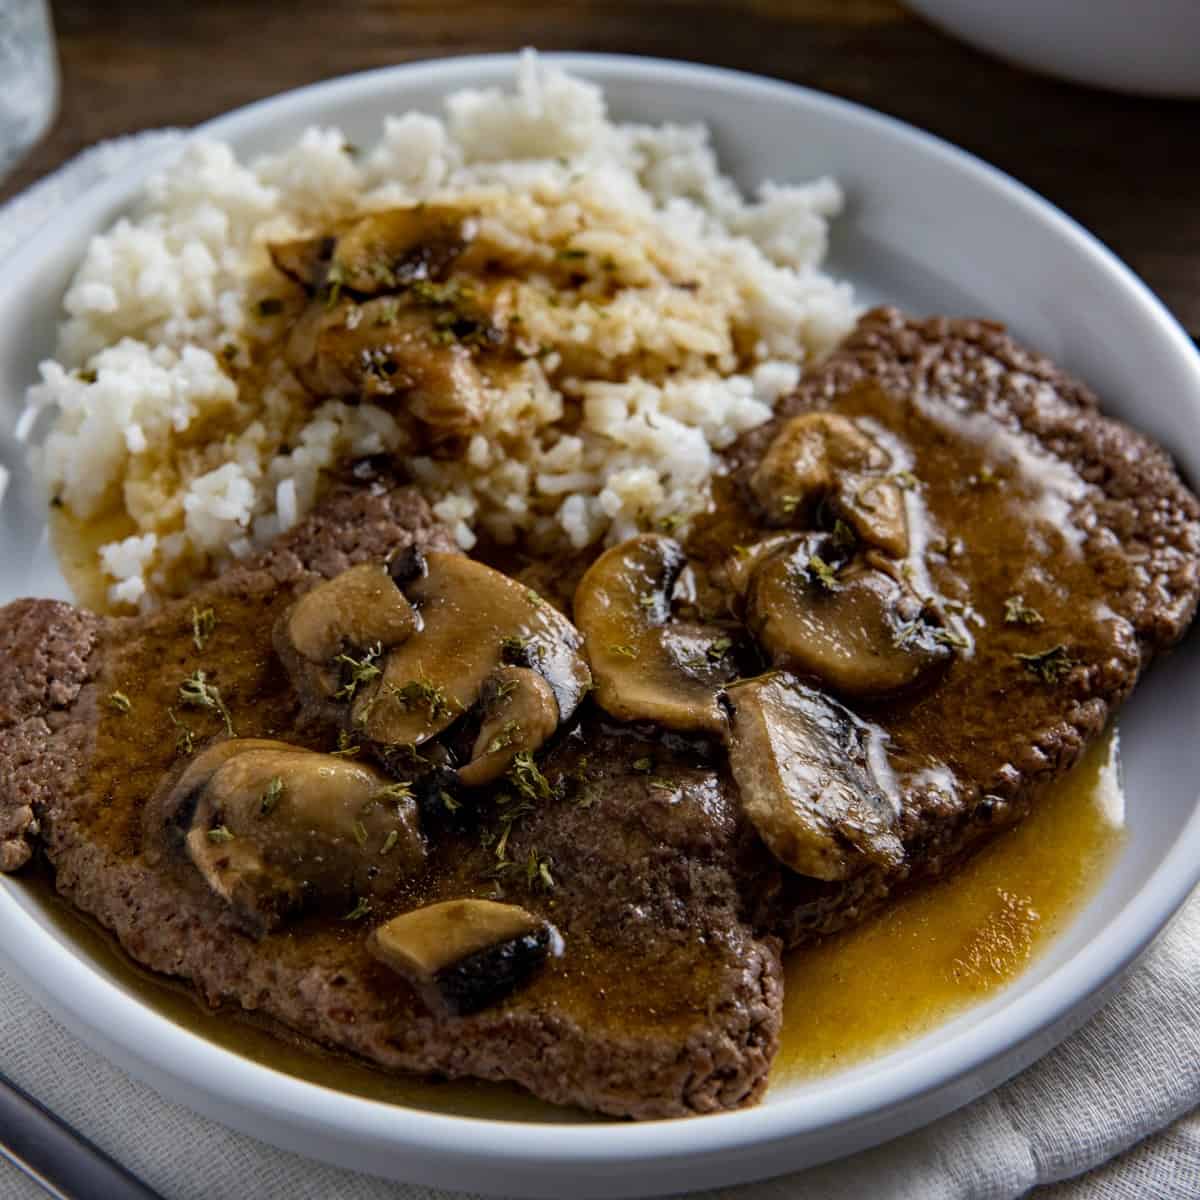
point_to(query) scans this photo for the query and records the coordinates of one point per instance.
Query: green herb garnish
(271, 794)
(347, 747)
(390, 841)
(717, 649)
(185, 739)
(420, 692)
(537, 871)
(625, 651)
(360, 910)
(204, 621)
(220, 834)
(822, 574)
(334, 279)
(508, 734)
(528, 779)
(1017, 612)
(196, 692)
(358, 672)
(951, 637)
(1049, 665)
(400, 790)
(119, 702)
(844, 538)
(514, 646)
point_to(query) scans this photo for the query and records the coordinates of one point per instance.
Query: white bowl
(927, 226)
(1146, 46)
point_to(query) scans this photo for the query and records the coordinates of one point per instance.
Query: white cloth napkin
(1132, 1071)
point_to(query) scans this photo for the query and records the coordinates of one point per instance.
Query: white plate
(928, 227)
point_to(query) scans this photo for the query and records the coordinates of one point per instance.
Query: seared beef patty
(1057, 526)
(664, 1003)
(1058, 547)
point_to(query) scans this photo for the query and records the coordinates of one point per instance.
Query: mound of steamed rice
(693, 311)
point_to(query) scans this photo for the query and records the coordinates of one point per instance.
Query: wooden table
(1127, 168)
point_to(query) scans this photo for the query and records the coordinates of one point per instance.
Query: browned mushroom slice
(874, 509)
(824, 458)
(382, 348)
(379, 252)
(333, 638)
(305, 261)
(648, 667)
(519, 712)
(463, 955)
(383, 251)
(802, 766)
(272, 826)
(857, 627)
(473, 620)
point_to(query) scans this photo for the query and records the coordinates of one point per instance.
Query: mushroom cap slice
(380, 251)
(646, 667)
(823, 457)
(801, 763)
(463, 955)
(874, 509)
(473, 619)
(384, 348)
(359, 612)
(305, 260)
(859, 629)
(271, 826)
(519, 714)
(385, 250)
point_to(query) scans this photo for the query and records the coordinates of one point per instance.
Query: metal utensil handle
(56, 1157)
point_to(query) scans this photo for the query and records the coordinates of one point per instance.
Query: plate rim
(1033, 1018)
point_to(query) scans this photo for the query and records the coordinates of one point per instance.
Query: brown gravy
(77, 547)
(952, 943)
(929, 955)
(856, 995)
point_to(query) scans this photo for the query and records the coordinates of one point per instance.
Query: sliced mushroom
(858, 627)
(463, 955)
(474, 620)
(519, 712)
(306, 261)
(337, 633)
(386, 250)
(874, 509)
(380, 251)
(272, 827)
(648, 667)
(824, 458)
(383, 348)
(802, 766)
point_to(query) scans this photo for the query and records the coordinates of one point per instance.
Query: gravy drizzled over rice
(686, 312)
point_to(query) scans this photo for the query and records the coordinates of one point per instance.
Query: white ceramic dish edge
(602, 1159)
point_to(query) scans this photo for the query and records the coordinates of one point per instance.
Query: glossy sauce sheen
(976, 484)
(931, 955)
(951, 944)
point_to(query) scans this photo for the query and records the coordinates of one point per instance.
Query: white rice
(611, 430)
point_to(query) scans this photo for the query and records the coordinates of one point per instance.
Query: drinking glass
(28, 77)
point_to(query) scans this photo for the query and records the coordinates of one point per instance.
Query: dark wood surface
(1127, 168)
